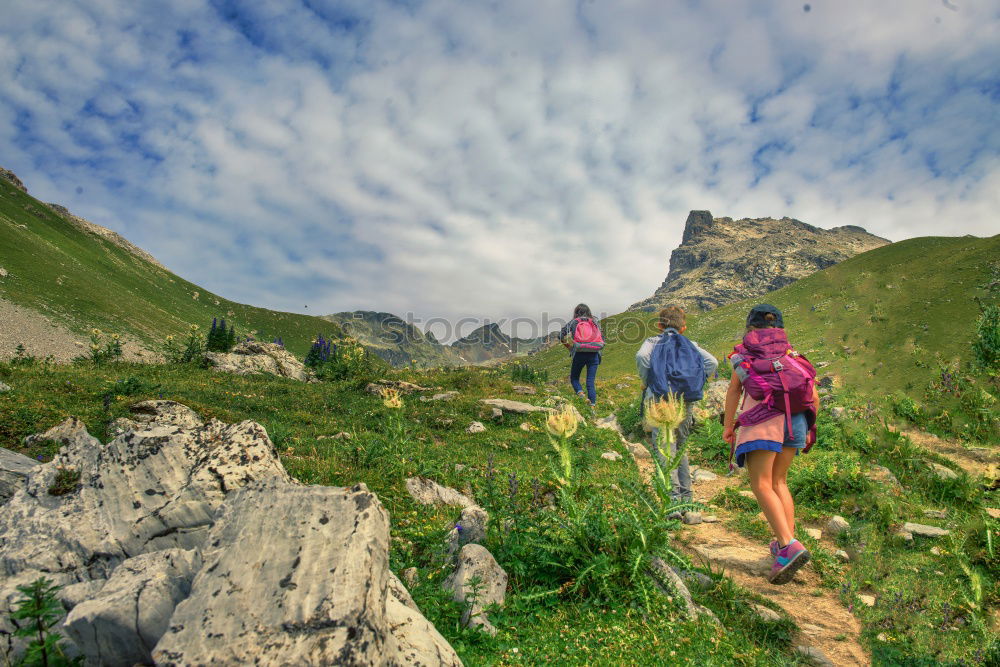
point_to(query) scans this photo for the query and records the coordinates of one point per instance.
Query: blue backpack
(676, 367)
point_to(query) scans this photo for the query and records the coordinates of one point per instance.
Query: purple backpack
(773, 373)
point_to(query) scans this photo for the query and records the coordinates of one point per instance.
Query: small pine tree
(230, 336)
(42, 611)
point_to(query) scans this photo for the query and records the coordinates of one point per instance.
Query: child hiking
(778, 418)
(582, 337)
(670, 363)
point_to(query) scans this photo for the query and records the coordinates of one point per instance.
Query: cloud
(492, 159)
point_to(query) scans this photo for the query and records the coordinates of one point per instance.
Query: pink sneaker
(774, 548)
(787, 562)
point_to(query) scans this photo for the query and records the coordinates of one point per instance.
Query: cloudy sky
(497, 159)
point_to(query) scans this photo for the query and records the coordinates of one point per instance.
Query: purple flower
(40, 457)
(458, 527)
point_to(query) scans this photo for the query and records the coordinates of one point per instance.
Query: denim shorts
(797, 439)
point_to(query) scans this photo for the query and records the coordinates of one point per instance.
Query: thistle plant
(561, 426)
(665, 415)
(191, 350)
(103, 349)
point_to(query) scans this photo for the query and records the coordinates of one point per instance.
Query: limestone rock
(143, 491)
(765, 613)
(444, 396)
(936, 514)
(610, 422)
(730, 556)
(475, 427)
(429, 492)
(842, 556)
(516, 407)
(867, 600)
(611, 456)
(146, 414)
(942, 471)
(721, 260)
(130, 614)
(882, 475)
(814, 656)
(661, 570)
(692, 518)
(925, 531)
(470, 528)
(837, 525)
(321, 593)
(4, 387)
(14, 471)
(475, 563)
(702, 475)
(837, 412)
(714, 400)
(399, 385)
(497, 413)
(814, 533)
(525, 426)
(524, 389)
(254, 357)
(638, 452)
(70, 430)
(993, 512)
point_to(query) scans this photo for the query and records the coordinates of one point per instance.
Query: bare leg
(761, 463)
(779, 482)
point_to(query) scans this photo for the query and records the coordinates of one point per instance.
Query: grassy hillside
(85, 281)
(880, 318)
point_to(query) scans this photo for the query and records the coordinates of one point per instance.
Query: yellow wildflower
(391, 398)
(562, 424)
(95, 332)
(666, 413)
(115, 336)
(194, 327)
(169, 338)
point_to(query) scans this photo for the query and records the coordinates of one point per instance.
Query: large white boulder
(253, 357)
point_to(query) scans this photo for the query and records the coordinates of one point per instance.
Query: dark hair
(582, 310)
(769, 322)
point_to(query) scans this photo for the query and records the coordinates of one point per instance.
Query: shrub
(192, 350)
(827, 478)
(66, 481)
(521, 372)
(103, 350)
(340, 360)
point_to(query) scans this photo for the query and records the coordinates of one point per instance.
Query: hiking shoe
(775, 547)
(787, 562)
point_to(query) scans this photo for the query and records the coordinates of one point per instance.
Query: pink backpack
(587, 336)
(773, 373)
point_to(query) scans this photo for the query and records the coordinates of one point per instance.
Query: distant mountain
(721, 260)
(402, 344)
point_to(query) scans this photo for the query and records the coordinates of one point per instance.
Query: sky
(493, 159)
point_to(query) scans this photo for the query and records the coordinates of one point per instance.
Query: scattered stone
(765, 613)
(692, 518)
(525, 426)
(941, 471)
(399, 385)
(611, 456)
(904, 535)
(746, 493)
(882, 475)
(882, 637)
(993, 512)
(936, 514)
(925, 531)
(410, 576)
(254, 357)
(428, 492)
(694, 579)
(821, 364)
(610, 422)
(638, 452)
(120, 624)
(497, 413)
(3, 272)
(936, 551)
(661, 569)
(445, 421)
(524, 389)
(837, 525)
(867, 600)
(702, 475)
(470, 528)
(825, 382)
(4, 388)
(729, 556)
(814, 533)
(837, 412)
(811, 630)
(710, 518)
(475, 427)
(516, 407)
(842, 556)
(814, 656)
(445, 396)
(477, 565)
(529, 449)
(459, 467)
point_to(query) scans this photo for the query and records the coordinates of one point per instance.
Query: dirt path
(824, 622)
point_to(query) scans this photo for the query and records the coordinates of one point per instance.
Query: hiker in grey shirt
(672, 318)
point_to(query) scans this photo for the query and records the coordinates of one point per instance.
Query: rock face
(187, 542)
(12, 178)
(254, 357)
(477, 569)
(721, 260)
(14, 471)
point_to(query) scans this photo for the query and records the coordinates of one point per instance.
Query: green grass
(84, 281)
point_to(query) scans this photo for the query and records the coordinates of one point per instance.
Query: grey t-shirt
(645, 353)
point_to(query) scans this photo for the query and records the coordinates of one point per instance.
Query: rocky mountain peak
(8, 175)
(721, 260)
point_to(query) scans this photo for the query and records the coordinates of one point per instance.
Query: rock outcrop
(253, 357)
(186, 542)
(14, 471)
(721, 260)
(12, 178)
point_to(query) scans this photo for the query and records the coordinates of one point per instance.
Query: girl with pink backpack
(582, 337)
(777, 419)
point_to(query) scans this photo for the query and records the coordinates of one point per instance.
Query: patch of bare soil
(976, 461)
(42, 337)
